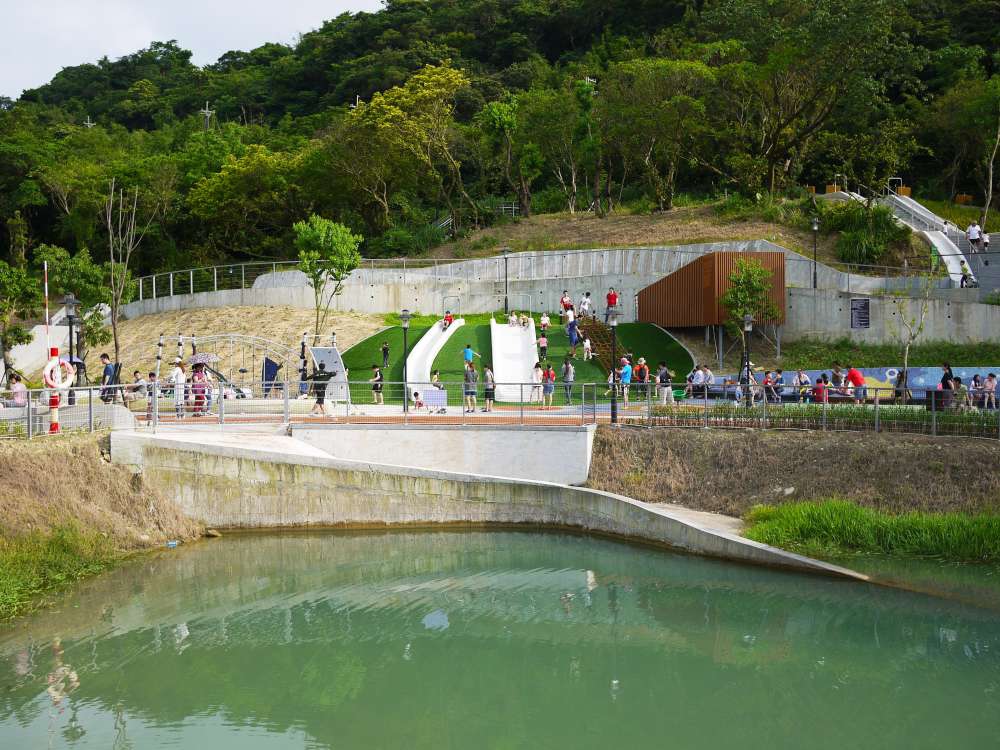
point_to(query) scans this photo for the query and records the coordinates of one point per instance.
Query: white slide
(949, 254)
(514, 357)
(418, 364)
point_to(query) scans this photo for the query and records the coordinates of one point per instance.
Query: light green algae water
(451, 640)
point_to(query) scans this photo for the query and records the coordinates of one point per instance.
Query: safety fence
(29, 415)
(523, 266)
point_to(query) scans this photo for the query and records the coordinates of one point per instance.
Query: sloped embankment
(731, 471)
(66, 512)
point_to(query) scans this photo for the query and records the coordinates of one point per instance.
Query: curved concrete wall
(550, 454)
(289, 484)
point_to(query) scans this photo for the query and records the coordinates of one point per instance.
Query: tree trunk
(989, 176)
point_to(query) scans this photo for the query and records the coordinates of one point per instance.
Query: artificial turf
(359, 358)
(646, 340)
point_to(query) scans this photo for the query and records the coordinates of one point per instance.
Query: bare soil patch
(731, 471)
(66, 481)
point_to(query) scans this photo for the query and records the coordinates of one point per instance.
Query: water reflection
(491, 639)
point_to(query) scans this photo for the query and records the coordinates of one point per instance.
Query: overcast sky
(40, 37)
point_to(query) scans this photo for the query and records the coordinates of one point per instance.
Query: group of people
(979, 392)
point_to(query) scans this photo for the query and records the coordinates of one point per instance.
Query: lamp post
(613, 322)
(815, 228)
(747, 331)
(70, 302)
(404, 321)
(506, 305)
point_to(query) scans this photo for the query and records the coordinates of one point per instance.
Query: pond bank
(68, 513)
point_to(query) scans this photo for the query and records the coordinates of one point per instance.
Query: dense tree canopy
(391, 122)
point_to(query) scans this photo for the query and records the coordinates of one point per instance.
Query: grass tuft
(838, 526)
(37, 564)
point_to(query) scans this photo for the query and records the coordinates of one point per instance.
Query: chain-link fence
(32, 413)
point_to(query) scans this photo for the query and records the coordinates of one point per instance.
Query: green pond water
(491, 640)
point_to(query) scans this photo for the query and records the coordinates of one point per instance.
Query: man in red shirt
(612, 300)
(856, 379)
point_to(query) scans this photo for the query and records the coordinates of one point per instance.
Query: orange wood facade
(691, 295)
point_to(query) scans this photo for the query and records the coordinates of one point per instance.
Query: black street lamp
(71, 303)
(404, 321)
(747, 332)
(613, 322)
(506, 305)
(815, 228)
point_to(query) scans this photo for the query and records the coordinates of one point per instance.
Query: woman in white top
(536, 383)
(178, 378)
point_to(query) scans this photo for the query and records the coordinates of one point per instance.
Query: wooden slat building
(691, 296)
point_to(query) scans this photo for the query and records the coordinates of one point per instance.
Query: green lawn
(360, 357)
(646, 340)
(960, 216)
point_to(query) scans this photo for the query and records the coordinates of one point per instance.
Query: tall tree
(328, 252)
(20, 296)
(126, 229)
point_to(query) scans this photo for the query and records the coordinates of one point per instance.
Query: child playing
(588, 352)
(543, 346)
(544, 322)
(418, 402)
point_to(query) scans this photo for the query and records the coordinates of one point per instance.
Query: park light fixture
(506, 286)
(613, 322)
(71, 303)
(815, 228)
(404, 321)
(748, 323)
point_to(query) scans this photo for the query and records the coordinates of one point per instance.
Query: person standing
(565, 303)
(568, 376)
(320, 380)
(611, 303)
(471, 378)
(489, 388)
(574, 337)
(640, 374)
(548, 385)
(586, 306)
(975, 235)
(989, 392)
(857, 380)
(199, 389)
(377, 379)
(947, 385)
(385, 354)
(664, 383)
(536, 383)
(107, 379)
(178, 379)
(966, 274)
(625, 378)
(543, 346)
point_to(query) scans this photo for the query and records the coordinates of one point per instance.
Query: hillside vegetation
(468, 111)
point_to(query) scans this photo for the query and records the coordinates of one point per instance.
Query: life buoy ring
(55, 380)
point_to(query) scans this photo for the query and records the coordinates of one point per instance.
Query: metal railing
(522, 266)
(556, 404)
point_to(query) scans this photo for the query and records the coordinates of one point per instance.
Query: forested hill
(549, 104)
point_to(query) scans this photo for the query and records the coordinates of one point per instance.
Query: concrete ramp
(418, 364)
(514, 357)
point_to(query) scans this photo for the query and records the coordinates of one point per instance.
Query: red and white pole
(54, 394)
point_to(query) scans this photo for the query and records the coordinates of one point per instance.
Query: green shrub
(838, 525)
(866, 232)
(406, 241)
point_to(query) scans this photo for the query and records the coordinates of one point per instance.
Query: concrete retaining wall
(230, 485)
(824, 314)
(550, 454)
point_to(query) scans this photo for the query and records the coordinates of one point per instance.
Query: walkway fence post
(521, 401)
(154, 408)
(649, 404)
(243, 276)
(90, 410)
(935, 400)
(31, 418)
(171, 283)
(706, 405)
(215, 278)
(825, 405)
(286, 405)
(877, 423)
(154, 286)
(191, 281)
(222, 408)
(764, 404)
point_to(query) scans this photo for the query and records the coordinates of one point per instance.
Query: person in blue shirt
(625, 377)
(468, 354)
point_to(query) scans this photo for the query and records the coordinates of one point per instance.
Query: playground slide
(514, 356)
(418, 364)
(949, 254)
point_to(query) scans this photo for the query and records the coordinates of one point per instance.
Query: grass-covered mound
(838, 526)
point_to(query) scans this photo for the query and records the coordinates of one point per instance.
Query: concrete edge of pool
(276, 481)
